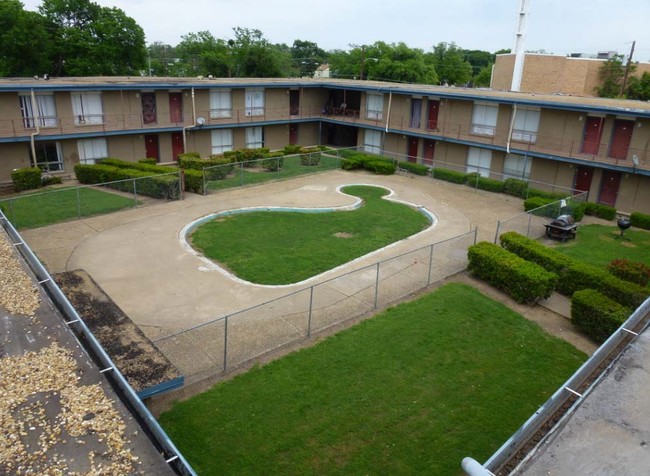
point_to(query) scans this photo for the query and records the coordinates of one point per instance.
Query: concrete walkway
(137, 256)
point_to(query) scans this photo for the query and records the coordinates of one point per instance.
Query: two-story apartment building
(591, 144)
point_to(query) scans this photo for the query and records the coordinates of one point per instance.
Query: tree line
(82, 38)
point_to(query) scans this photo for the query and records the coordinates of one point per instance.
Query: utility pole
(627, 68)
(363, 59)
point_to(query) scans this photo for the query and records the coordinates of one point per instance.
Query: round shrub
(27, 178)
(632, 271)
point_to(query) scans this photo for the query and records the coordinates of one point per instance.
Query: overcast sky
(557, 26)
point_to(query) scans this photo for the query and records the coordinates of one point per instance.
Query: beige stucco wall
(14, 156)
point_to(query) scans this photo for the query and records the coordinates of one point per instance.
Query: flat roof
(59, 411)
(558, 101)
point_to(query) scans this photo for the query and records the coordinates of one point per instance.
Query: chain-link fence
(250, 172)
(533, 222)
(229, 341)
(72, 203)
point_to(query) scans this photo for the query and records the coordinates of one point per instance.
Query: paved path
(137, 256)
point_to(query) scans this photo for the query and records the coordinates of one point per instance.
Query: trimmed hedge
(449, 175)
(310, 156)
(483, 183)
(526, 282)
(194, 181)
(50, 180)
(375, 163)
(152, 169)
(640, 220)
(148, 161)
(515, 187)
(601, 211)
(414, 168)
(214, 169)
(596, 315)
(189, 155)
(27, 178)
(574, 275)
(152, 185)
(274, 162)
(631, 271)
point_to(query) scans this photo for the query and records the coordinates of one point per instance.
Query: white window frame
(254, 137)
(517, 166)
(484, 118)
(254, 102)
(220, 103)
(375, 106)
(92, 150)
(526, 124)
(479, 160)
(221, 141)
(45, 112)
(87, 108)
(47, 166)
(372, 140)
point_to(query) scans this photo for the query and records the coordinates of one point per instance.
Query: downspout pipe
(33, 135)
(474, 468)
(390, 101)
(512, 125)
(193, 123)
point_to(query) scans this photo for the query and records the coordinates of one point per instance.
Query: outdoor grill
(562, 228)
(623, 224)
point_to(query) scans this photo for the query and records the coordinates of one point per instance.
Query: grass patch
(600, 244)
(411, 391)
(290, 168)
(54, 206)
(287, 247)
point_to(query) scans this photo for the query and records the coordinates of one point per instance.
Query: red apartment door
(293, 134)
(294, 102)
(432, 114)
(148, 108)
(583, 179)
(413, 149)
(175, 107)
(429, 149)
(621, 138)
(609, 188)
(591, 135)
(151, 146)
(177, 145)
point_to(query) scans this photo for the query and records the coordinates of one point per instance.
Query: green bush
(574, 275)
(292, 149)
(640, 220)
(148, 161)
(551, 207)
(596, 315)
(50, 180)
(414, 168)
(601, 211)
(524, 281)
(351, 164)
(631, 271)
(273, 163)
(152, 185)
(484, 183)
(194, 181)
(533, 192)
(214, 169)
(189, 155)
(151, 169)
(28, 178)
(591, 208)
(309, 157)
(380, 167)
(578, 211)
(449, 175)
(515, 187)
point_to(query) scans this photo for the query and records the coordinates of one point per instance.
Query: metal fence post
(78, 203)
(377, 286)
(205, 182)
(135, 194)
(530, 217)
(496, 234)
(311, 303)
(225, 344)
(430, 264)
(475, 234)
(241, 172)
(13, 212)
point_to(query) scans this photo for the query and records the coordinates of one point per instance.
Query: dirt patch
(343, 234)
(135, 356)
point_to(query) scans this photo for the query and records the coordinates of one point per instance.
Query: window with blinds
(221, 103)
(221, 141)
(372, 141)
(525, 125)
(254, 137)
(91, 150)
(484, 119)
(254, 99)
(479, 160)
(87, 108)
(375, 106)
(41, 111)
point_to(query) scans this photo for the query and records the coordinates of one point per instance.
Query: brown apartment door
(591, 136)
(413, 149)
(609, 188)
(151, 146)
(294, 102)
(583, 179)
(293, 134)
(432, 113)
(177, 145)
(429, 149)
(621, 138)
(176, 107)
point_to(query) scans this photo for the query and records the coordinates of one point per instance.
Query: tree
(255, 57)
(89, 39)
(306, 56)
(611, 75)
(164, 60)
(24, 41)
(450, 64)
(639, 88)
(479, 59)
(484, 77)
(203, 54)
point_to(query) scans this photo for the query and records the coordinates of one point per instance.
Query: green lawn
(46, 208)
(410, 391)
(287, 247)
(600, 244)
(291, 168)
